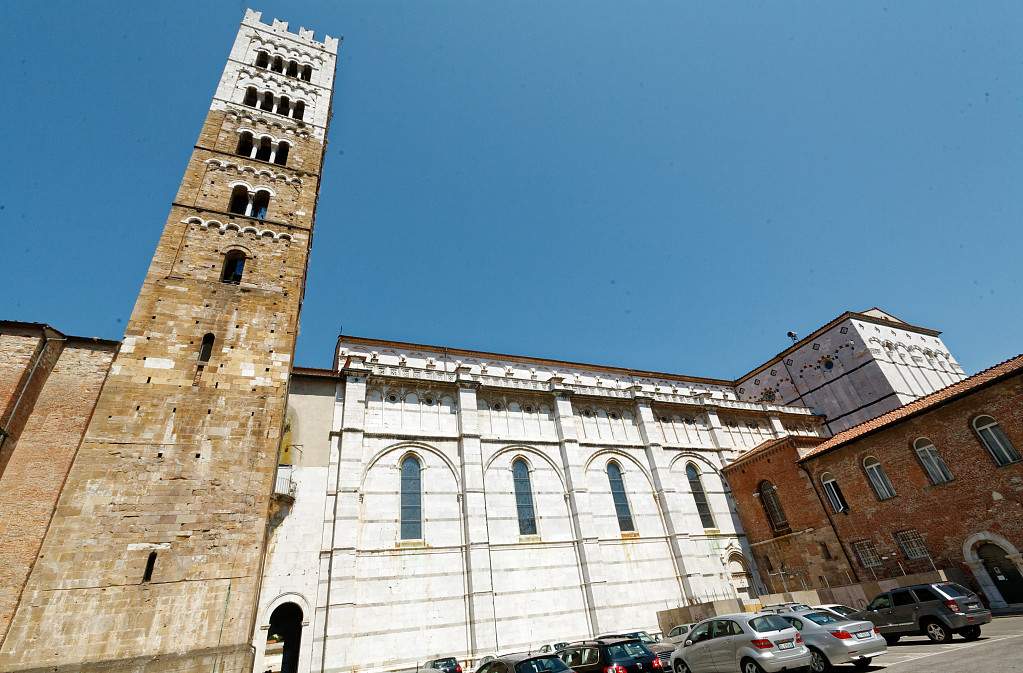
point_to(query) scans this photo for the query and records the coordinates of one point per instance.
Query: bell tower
(153, 556)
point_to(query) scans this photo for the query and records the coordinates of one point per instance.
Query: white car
(677, 634)
(837, 609)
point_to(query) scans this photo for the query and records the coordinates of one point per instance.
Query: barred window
(912, 544)
(995, 441)
(867, 554)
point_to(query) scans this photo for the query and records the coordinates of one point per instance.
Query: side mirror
(687, 643)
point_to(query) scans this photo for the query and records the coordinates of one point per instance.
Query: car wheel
(862, 664)
(818, 662)
(680, 666)
(937, 632)
(891, 640)
(750, 666)
(970, 632)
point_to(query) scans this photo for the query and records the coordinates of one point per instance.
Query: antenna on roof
(793, 336)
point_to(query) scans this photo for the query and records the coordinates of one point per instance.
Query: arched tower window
(282, 153)
(239, 200)
(234, 266)
(260, 204)
(265, 148)
(929, 457)
(411, 499)
(771, 503)
(622, 510)
(879, 481)
(523, 497)
(206, 349)
(995, 441)
(278, 64)
(307, 73)
(292, 69)
(262, 59)
(244, 144)
(251, 97)
(268, 102)
(700, 496)
(299, 112)
(283, 106)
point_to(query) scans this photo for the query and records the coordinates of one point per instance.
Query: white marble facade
(472, 585)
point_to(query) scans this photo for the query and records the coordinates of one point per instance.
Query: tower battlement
(254, 19)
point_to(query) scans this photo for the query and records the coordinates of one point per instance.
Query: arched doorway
(1003, 572)
(739, 576)
(283, 639)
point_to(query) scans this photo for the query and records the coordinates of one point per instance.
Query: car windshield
(769, 623)
(643, 636)
(549, 664)
(445, 663)
(821, 618)
(953, 590)
(629, 650)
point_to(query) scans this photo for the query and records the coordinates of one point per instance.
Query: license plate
(973, 606)
(785, 645)
(863, 635)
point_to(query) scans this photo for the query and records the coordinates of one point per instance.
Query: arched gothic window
(234, 266)
(244, 144)
(260, 204)
(995, 441)
(268, 102)
(281, 157)
(292, 69)
(771, 503)
(264, 149)
(239, 200)
(700, 496)
(929, 457)
(879, 481)
(523, 497)
(411, 499)
(307, 72)
(283, 106)
(278, 64)
(299, 110)
(622, 510)
(251, 97)
(262, 59)
(834, 493)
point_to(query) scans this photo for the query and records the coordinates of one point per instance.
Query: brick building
(937, 483)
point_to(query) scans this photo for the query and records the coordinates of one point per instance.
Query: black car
(611, 655)
(444, 665)
(524, 663)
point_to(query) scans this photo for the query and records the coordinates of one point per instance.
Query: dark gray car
(525, 663)
(443, 665)
(936, 610)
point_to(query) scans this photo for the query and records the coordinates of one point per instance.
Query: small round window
(497, 407)
(428, 401)
(529, 409)
(828, 364)
(392, 398)
(614, 417)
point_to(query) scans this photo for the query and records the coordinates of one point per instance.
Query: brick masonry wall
(26, 358)
(982, 497)
(30, 485)
(799, 548)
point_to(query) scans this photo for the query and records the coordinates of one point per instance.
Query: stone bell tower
(153, 556)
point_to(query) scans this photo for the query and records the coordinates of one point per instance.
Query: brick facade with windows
(937, 483)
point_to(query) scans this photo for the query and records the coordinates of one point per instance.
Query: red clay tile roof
(935, 399)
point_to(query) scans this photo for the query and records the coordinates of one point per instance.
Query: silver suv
(936, 610)
(756, 643)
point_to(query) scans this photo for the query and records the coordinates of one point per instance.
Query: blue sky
(660, 185)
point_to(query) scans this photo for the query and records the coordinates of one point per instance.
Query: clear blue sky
(662, 185)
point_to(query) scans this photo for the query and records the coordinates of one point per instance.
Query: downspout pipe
(831, 521)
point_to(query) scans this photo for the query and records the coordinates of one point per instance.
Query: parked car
(837, 609)
(677, 634)
(661, 649)
(444, 665)
(523, 662)
(484, 661)
(779, 608)
(552, 648)
(611, 655)
(936, 610)
(749, 643)
(835, 640)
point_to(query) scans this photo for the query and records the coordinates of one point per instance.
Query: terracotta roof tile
(935, 399)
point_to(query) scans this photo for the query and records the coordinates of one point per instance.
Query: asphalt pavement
(999, 649)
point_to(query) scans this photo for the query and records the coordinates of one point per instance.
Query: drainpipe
(831, 521)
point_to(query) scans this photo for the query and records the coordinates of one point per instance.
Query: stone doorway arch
(284, 638)
(740, 577)
(998, 566)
